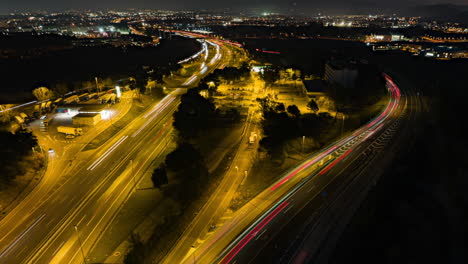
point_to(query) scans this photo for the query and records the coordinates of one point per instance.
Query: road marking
(159, 109)
(263, 232)
(79, 222)
(109, 151)
(58, 248)
(21, 236)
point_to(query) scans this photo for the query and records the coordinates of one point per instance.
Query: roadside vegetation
(289, 135)
(184, 177)
(21, 161)
(14, 153)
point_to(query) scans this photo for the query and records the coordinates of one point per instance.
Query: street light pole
(81, 244)
(303, 141)
(133, 173)
(342, 123)
(97, 87)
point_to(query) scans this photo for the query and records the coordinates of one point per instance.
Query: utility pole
(81, 244)
(303, 141)
(342, 124)
(97, 87)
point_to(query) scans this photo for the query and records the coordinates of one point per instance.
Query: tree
(294, 110)
(184, 157)
(42, 93)
(159, 177)
(195, 114)
(270, 75)
(280, 107)
(61, 88)
(312, 106)
(136, 255)
(15, 148)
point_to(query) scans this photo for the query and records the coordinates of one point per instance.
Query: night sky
(12, 5)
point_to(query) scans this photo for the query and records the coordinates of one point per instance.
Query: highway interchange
(290, 221)
(63, 217)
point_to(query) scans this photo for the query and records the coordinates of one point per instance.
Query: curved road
(73, 204)
(272, 226)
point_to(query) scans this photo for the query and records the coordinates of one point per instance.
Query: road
(214, 208)
(74, 203)
(297, 199)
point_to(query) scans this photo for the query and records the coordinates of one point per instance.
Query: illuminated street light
(117, 89)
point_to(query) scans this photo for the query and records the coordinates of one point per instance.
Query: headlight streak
(109, 151)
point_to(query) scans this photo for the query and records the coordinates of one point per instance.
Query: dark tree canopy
(14, 148)
(194, 114)
(312, 105)
(294, 110)
(270, 75)
(183, 158)
(159, 177)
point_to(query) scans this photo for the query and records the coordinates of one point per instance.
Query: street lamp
(342, 123)
(81, 244)
(97, 87)
(303, 141)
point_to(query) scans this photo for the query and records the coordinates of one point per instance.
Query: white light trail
(159, 110)
(21, 236)
(109, 151)
(191, 80)
(204, 49)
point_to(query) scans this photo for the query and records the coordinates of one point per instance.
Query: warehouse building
(86, 119)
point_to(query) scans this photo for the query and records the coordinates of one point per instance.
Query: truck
(45, 122)
(112, 98)
(71, 99)
(48, 106)
(25, 117)
(75, 131)
(19, 120)
(43, 107)
(58, 101)
(37, 111)
(84, 97)
(104, 98)
(93, 96)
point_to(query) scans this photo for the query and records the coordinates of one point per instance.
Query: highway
(271, 227)
(64, 216)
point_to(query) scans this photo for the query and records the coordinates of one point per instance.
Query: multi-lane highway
(281, 219)
(63, 217)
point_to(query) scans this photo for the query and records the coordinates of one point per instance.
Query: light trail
(109, 151)
(21, 236)
(254, 232)
(156, 107)
(158, 110)
(191, 80)
(204, 49)
(361, 134)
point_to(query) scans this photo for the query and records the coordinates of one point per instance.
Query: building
(314, 88)
(340, 72)
(86, 119)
